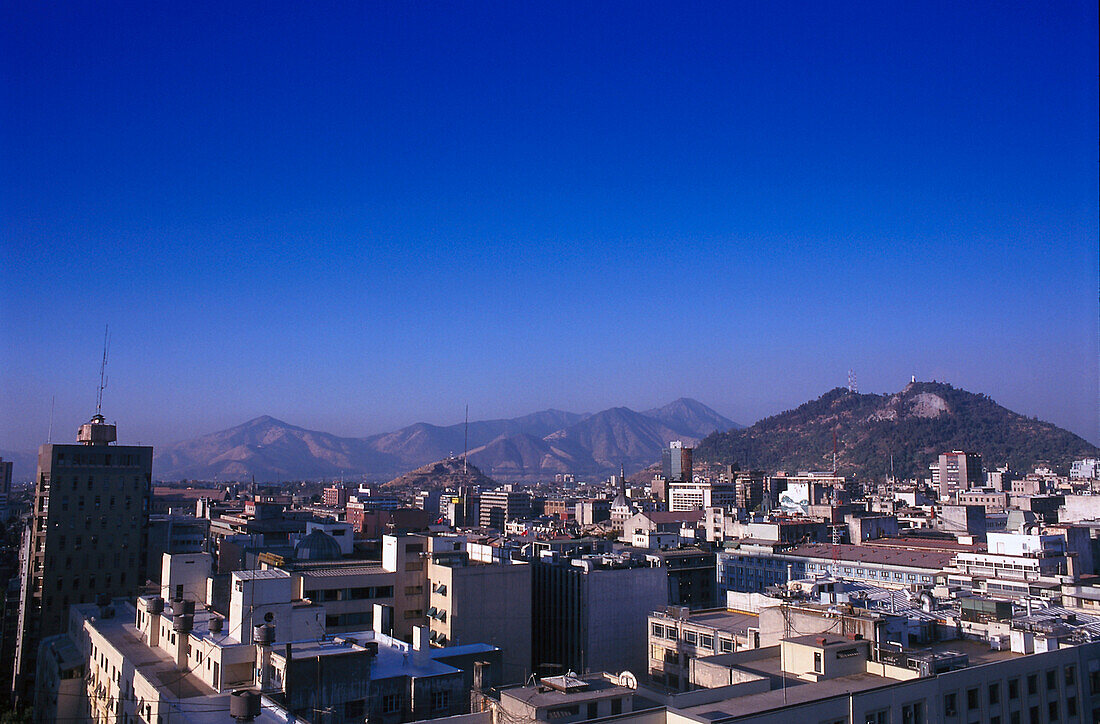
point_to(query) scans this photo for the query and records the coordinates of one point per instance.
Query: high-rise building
(500, 506)
(676, 463)
(958, 470)
(5, 487)
(87, 536)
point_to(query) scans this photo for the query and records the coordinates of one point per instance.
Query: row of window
(320, 595)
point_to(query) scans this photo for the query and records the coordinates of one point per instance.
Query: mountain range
(907, 430)
(522, 448)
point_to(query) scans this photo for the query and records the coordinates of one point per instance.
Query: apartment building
(497, 507)
(471, 601)
(87, 536)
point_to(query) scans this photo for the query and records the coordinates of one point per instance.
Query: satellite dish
(629, 680)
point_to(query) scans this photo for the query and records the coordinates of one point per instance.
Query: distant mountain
(270, 450)
(914, 426)
(522, 448)
(441, 474)
(421, 443)
(691, 418)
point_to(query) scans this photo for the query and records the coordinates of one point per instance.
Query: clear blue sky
(355, 216)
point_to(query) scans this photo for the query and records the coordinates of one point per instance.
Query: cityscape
(549, 363)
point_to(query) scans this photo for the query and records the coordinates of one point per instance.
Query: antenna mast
(466, 438)
(49, 435)
(852, 386)
(102, 371)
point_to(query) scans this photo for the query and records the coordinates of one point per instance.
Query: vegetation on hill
(913, 427)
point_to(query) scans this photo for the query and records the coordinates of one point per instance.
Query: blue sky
(355, 216)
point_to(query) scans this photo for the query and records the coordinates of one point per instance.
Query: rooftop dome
(317, 546)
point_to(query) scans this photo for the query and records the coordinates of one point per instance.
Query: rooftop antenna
(466, 438)
(103, 370)
(49, 435)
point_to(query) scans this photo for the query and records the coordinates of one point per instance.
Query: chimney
(420, 638)
(481, 671)
(263, 636)
(182, 626)
(152, 608)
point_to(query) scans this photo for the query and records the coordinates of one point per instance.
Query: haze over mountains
(522, 448)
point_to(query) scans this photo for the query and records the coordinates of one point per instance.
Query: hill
(439, 475)
(914, 426)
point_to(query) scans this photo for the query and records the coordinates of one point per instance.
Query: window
(1071, 706)
(616, 706)
(440, 700)
(950, 704)
(912, 713)
(689, 637)
(994, 693)
(1052, 711)
(1013, 689)
(658, 630)
(389, 703)
(593, 710)
(1033, 715)
(882, 716)
(706, 641)
(1070, 675)
(1052, 679)
(355, 709)
(1032, 684)
(818, 664)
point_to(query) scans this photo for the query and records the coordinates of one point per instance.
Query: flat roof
(721, 619)
(928, 559)
(597, 688)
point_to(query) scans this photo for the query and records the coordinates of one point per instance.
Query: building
(677, 636)
(756, 566)
(695, 495)
(676, 464)
(1012, 564)
(497, 507)
(172, 534)
(589, 614)
(957, 470)
(692, 579)
(1087, 469)
(87, 536)
(593, 510)
(474, 602)
(152, 663)
(335, 496)
(661, 521)
(5, 488)
(565, 699)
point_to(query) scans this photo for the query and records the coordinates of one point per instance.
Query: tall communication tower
(466, 439)
(852, 386)
(103, 371)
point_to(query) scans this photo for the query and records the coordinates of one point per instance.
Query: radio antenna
(49, 435)
(103, 370)
(466, 439)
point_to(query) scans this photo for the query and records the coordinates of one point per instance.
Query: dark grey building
(589, 614)
(87, 535)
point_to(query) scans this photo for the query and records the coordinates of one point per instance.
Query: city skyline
(357, 219)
